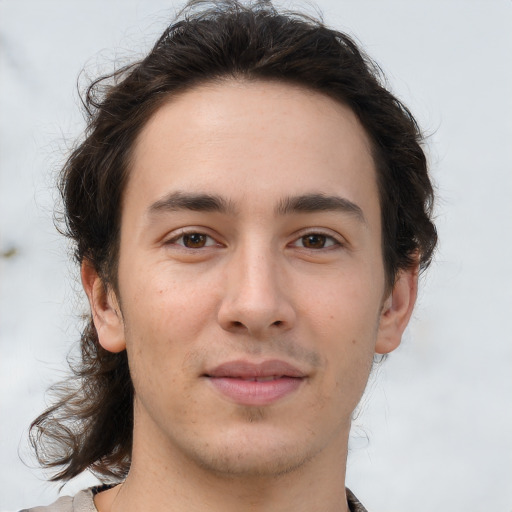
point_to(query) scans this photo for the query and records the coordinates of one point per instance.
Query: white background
(436, 428)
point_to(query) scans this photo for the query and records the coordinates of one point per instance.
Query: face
(251, 287)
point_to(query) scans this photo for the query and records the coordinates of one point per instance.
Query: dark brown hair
(90, 426)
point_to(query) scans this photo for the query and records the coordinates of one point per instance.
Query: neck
(181, 493)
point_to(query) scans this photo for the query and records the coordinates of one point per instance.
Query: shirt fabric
(84, 502)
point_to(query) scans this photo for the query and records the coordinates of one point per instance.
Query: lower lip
(249, 392)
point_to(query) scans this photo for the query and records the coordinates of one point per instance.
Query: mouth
(260, 379)
(257, 384)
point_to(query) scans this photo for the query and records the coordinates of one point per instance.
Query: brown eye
(314, 241)
(194, 240)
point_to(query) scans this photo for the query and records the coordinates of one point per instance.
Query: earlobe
(105, 309)
(397, 311)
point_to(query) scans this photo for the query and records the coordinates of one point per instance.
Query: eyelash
(184, 234)
(330, 240)
(327, 241)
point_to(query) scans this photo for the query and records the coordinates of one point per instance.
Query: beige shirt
(81, 502)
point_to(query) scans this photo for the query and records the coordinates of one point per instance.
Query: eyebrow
(191, 201)
(310, 203)
(306, 203)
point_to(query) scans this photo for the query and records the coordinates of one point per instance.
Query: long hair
(90, 425)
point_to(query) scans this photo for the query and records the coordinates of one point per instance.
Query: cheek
(344, 318)
(163, 299)
(347, 306)
(156, 317)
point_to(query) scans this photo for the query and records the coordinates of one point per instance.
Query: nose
(255, 302)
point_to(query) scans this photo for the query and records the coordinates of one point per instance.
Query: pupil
(194, 240)
(314, 241)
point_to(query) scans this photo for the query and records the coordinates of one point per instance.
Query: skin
(254, 281)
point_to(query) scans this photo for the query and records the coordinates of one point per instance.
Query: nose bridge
(255, 300)
(256, 277)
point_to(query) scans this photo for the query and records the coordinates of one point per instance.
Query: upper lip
(246, 369)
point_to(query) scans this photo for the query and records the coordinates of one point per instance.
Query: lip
(257, 384)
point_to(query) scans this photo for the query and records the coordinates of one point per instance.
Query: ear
(105, 310)
(397, 310)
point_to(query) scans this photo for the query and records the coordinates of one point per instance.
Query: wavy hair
(90, 425)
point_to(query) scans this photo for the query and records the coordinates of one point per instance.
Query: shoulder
(81, 502)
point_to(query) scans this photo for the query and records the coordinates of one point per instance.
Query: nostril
(277, 323)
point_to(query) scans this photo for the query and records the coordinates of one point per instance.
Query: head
(239, 58)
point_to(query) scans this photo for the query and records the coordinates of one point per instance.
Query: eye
(193, 240)
(315, 241)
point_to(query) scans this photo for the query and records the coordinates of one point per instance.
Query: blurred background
(434, 431)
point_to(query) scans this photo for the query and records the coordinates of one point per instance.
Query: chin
(236, 463)
(255, 452)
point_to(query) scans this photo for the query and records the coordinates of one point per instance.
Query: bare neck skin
(163, 480)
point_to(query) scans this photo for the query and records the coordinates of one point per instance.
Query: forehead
(249, 139)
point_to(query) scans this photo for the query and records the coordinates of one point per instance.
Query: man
(250, 210)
